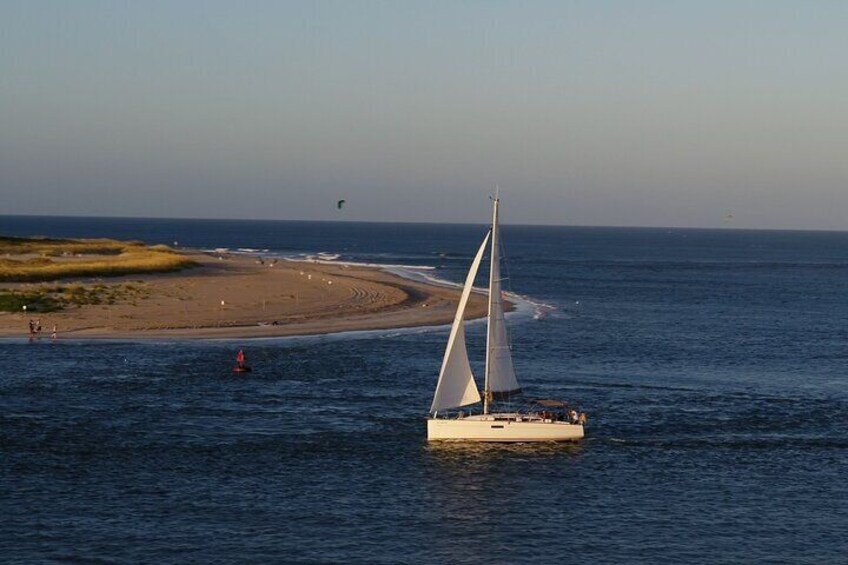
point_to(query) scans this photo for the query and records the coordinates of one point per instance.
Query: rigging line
(508, 279)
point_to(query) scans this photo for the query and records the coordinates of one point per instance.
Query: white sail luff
(456, 386)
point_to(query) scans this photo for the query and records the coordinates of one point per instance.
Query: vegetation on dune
(43, 259)
(56, 247)
(35, 301)
(54, 298)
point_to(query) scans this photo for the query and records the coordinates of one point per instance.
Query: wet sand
(235, 296)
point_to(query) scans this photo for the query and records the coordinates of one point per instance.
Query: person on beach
(31, 327)
(38, 325)
(53, 334)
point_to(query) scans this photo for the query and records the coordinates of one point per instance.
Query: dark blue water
(712, 364)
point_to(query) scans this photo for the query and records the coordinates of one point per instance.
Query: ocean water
(712, 364)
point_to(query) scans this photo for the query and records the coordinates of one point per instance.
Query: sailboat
(546, 420)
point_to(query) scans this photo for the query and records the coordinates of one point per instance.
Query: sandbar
(238, 296)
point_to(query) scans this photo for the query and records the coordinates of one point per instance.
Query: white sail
(456, 381)
(500, 373)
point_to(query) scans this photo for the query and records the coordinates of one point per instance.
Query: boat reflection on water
(468, 453)
(491, 491)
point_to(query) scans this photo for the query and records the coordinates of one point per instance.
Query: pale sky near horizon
(585, 113)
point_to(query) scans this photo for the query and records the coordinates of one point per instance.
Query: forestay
(456, 385)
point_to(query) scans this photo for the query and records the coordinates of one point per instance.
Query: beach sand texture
(236, 296)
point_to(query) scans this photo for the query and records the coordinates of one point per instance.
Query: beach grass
(45, 298)
(35, 301)
(55, 247)
(44, 259)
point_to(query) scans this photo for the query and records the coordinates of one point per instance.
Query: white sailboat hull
(490, 428)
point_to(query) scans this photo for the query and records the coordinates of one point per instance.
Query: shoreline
(239, 296)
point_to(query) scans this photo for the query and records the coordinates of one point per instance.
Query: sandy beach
(237, 296)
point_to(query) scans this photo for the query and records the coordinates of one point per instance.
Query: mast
(493, 287)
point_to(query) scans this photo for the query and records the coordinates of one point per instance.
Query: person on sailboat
(572, 415)
(581, 419)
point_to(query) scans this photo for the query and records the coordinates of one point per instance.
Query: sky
(583, 113)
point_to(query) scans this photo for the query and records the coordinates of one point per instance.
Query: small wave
(415, 273)
(524, 305)
(541, 309)
(303, 258)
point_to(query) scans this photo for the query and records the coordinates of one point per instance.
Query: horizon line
(425, 222)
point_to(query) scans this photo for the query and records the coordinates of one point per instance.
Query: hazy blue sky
(610, 113)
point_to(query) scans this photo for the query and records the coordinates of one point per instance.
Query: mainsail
(456, 381)
(500, 373)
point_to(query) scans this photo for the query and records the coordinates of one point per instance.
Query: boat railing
(548, 416)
